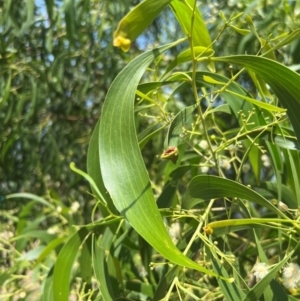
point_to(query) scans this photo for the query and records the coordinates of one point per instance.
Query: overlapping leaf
(284, 82)
(210, 187)
(124, 174)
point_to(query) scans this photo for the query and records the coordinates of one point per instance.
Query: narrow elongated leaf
(48, 287)
(110, 274)
(148, 87)
(183, 11)
(50, 5)
(122, 166)
(259, 103)
(33, 100)
(277, 166)
(69, 9)
(30, 16)
(144, 141)
(30, 196)
(287, 40)
(32, 254)
(231, 291)
(136, 21)
(211, 187)
(235, 102)
(49, 248)
(140, 288)
(85, 262)
(220, 109)
(62, 270)
(94, 171)
(286, 195)
(292, 167)
(100, 265)
(248, 221)
(89, 179)
(287, 142)
(6, 92)
(284, 82)
(221, 231)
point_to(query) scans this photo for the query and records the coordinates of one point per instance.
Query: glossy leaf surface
(123, 170)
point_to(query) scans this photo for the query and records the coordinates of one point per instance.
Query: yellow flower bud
(122, 42)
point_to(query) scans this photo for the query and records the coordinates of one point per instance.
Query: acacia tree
(196, 143)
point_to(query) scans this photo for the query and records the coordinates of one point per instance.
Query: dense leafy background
(57, 64)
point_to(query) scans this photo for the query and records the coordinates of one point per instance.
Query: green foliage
(193, 164)
(56, 66)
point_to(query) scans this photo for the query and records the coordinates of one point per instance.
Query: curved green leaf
(122, 166)
(30, 196)
(248, 221)
(94, 171)
(145, 140)
(292, 170)
(183, 11)
(62, 270)
(136, 21)
(231, 291)
(100, 267)
(211, 187)
(284, 82)
(287, 40)
(49, 248)
(47, 292)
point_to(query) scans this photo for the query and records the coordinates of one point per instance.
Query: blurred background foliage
(57, 63)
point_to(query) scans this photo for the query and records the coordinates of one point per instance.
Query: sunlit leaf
(231, 291)
(184, 12)
(123, 170)
(212, 187)
(62, 275)
(94, 172)
(283, 81)
(136, 21)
